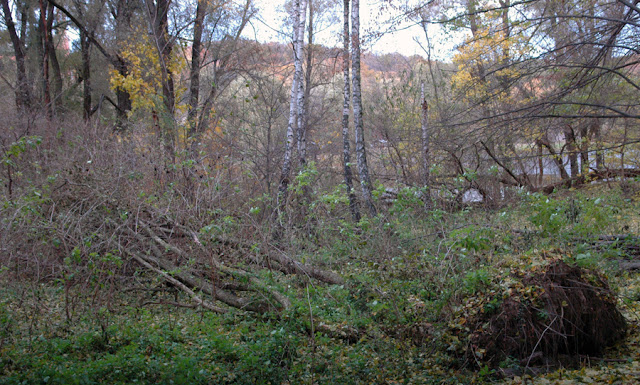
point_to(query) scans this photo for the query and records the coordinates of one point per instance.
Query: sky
(270, 22)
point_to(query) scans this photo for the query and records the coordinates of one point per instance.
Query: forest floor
(404, 315)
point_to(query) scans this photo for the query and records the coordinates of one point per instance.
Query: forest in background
(321, 214)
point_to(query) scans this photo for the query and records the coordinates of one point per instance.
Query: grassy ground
(402, 316)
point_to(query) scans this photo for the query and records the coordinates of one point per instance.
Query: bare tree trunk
(572, 148)
(304, 94)
(158, 12)
(540, 165)
(426, 159)
(85, 48)
(219, 64)
(597, 132)
(85, 53)
(625, 137)
(122, 96)
(53, 60)
(423, 23)
(44, 44)
(122, 13)
(363, 169)
(298, 36)
(23, 88)
(194, 75)
(557, 158)
(346, 145)
(584, 150)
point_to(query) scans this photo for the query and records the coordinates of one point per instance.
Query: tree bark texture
(44, 44)
(194, 75)
(23, 87)
(159, 19)
(426, 147)
(572, 149)
(85, 49)
(158, 12)
(55, 64)
(346, 142)
(122, 15)
(298, 36)
(304, 93)
(363, 169)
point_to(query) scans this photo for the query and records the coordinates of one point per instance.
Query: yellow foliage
(481, 58)
(144, 80)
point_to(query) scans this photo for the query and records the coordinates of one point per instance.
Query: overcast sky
(270, 23)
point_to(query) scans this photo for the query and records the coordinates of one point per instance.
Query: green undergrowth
(413, 282)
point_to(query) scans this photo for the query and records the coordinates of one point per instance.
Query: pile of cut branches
(96, 227)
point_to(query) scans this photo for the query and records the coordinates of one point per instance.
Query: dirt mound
(573, 312)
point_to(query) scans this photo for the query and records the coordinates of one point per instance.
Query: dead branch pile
(94, 227)
(575, 314)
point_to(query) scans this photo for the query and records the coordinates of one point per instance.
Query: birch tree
(361, 155)
(346, 147)
(298, 36)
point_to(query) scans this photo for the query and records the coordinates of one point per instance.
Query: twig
(178, 284)
(538, 343)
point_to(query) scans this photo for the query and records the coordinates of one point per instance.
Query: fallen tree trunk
(626, 242)
(176, 254)
(592, 176)
(205, 304)
(191, 281)
(289, 265)
(629, 265)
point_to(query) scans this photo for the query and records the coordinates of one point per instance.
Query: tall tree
(90, 15)
(304, 93)
(222, 60)
(56, 72)
(22, 87)
(426, 148)
(346, 141)
(194, 74)
(363, 169)
(122, 12)
(44, 58)
(298, 41)
(158, 16)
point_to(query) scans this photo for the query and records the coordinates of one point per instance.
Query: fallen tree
(592, 176)
(88, 227)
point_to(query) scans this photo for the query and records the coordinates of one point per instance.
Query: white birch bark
(346, 147)
(361, 155)
(300, 102)
(298, 36)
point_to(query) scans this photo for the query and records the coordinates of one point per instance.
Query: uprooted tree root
(574, 314)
